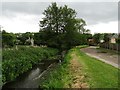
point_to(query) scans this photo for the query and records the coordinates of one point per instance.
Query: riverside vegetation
(91, 73)
(60, 31)
(16, 62)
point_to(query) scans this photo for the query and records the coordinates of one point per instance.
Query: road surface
(108, 58)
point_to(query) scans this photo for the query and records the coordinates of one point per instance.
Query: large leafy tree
(51, 19)
(59, 25)
(60, 28)
(80, 26)
(40, 38)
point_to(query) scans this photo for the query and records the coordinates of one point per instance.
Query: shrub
(16, 62)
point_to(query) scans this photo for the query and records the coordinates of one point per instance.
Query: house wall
(113, 40)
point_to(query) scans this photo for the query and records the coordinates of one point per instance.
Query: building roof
(114, 36)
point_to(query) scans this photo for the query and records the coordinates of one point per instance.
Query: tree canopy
(8, 39)
(61, 28)
(58, 29)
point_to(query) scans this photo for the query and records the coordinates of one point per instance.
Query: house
(91, 41)
(113, 38)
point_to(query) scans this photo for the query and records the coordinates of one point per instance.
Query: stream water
(30, 79)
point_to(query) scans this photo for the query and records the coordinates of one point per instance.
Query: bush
(16, 62)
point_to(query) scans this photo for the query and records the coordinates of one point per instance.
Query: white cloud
(93, 13)
(21, 23)
(111, 27)
(100, 17)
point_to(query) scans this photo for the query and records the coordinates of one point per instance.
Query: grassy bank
(97, 74)
(61, 77)
(100, 74)
(18, 61)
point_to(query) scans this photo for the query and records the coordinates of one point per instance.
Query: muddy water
(30, 79)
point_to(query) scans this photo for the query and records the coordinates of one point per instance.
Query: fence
(110, 46)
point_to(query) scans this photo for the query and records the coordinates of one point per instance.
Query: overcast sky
(24, 16)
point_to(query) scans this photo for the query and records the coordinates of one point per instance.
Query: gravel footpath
(108, 58)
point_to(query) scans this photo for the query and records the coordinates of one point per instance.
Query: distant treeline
(106, 38)
(59, 29)
(42, 38)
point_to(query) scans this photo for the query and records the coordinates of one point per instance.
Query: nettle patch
(16, 62)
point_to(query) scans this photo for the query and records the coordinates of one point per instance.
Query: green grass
(60, 76)
(100, 74)
(97, 73)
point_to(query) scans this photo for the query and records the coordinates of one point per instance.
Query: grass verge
(61, 77)
(97, 73)
(100, 74)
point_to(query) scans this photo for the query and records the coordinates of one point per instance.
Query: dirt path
(105, 57)
(75, 70)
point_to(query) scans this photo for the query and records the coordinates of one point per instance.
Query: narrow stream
(30, 79)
